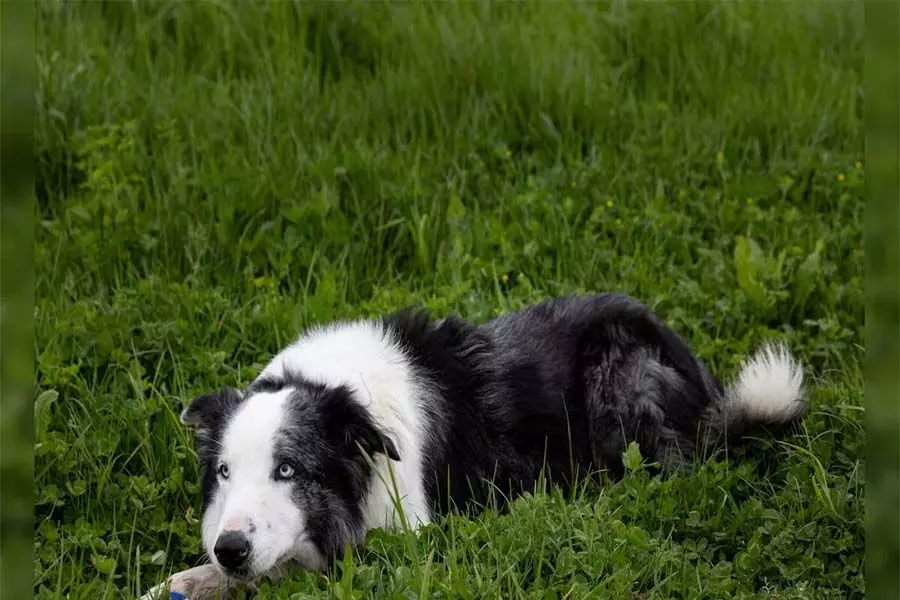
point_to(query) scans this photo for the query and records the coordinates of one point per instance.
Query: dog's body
(358, 419)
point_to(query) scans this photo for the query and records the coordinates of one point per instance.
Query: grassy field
(214, 176)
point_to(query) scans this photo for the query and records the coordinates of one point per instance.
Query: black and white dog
(358, 423)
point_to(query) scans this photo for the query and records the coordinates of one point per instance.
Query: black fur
(562, 387)
(325, 441)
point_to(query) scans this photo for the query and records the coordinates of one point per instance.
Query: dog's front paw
(200, 583)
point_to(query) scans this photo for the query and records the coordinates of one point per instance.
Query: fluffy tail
(767, 394)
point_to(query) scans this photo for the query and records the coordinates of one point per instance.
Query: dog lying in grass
(357, 423)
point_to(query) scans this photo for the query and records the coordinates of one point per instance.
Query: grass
(214, 176)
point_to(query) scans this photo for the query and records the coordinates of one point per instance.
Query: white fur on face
(250, 500)
(362, 356)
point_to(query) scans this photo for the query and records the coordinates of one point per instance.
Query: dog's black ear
(371, 440)
(349, 424)
(210, 410)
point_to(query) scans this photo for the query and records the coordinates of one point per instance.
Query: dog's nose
(232, 549)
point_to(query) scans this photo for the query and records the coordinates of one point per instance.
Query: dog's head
(284, 467)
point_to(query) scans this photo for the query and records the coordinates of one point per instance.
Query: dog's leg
(205, 582)
(633, 397)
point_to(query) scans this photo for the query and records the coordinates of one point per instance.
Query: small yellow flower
(609, 203)
(858, 166)
(840, 177)
(505, 278)
(749, 200)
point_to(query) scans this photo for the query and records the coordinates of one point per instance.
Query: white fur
(205, 582)
(362, 356)
(249, 500)
(769, 387)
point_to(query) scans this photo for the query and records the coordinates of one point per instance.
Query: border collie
(359, 424)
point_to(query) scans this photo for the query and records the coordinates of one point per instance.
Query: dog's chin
(250, 576)
(239, 576)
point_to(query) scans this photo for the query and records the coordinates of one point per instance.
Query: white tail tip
(769, 387)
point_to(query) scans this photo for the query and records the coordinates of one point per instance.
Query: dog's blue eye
(223, 471)
(285, 471)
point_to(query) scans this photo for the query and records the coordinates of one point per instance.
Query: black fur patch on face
(210, 413)
(326, 439)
